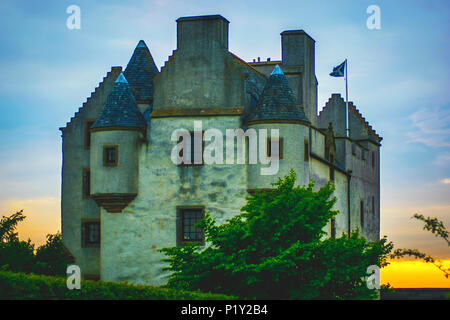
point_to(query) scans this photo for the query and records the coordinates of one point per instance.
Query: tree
(50, 257)
(15, 255)
(20, 256)
(436, 227)
(275, 248)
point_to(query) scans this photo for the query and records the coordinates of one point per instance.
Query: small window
(90, 233)
(373, 159)
(361, 213)
(373, 205)
(187, 231)
(110, 156)
(306, 151)
(363, 154)
(331, 169)
(278, 146)
(353, 149)
(86, 183)
(87, 133)
(327, 153)
(333, 227)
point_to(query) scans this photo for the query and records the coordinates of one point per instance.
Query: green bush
(276, 249)
(31, 286)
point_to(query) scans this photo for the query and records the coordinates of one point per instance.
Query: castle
(123, 198)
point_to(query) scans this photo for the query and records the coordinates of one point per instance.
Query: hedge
(30, 286)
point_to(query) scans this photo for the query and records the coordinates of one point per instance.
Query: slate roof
(277, 101)
(140, 72)
(120, 109)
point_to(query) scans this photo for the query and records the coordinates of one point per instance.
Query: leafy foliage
(275, 248)
(14, 254)
(8, 226)
(436, 227)
(20, 256)
(50, 257)
(31, 286)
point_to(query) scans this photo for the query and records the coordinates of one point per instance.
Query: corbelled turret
(116, 137)
(277, 102)
(120, 109)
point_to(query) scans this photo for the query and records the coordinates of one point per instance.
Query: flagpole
(347, 129)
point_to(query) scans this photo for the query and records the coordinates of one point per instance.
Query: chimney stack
(297, 51)
(202, 33)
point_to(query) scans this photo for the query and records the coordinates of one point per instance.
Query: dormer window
(110, 156)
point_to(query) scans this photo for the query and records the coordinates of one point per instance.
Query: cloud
(443, 159)
(432, 127)
(445, 181)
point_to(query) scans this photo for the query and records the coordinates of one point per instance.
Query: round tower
(116, 137)
(283, 133)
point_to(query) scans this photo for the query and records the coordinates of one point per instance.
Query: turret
(278, 109)
(116, 138)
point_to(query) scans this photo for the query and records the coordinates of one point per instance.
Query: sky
(398, 78)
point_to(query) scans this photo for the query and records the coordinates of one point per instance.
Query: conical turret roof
(140, 72)
(277, 101)
(120, 109)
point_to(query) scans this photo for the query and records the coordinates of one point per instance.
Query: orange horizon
(414, 274)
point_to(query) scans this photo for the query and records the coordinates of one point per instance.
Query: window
(373, 159)
(253, 191)
(90, 233)
(110, 156)
(187, 218)
(363, 154)
(353, 149)
(306, 151)
(277, 145)
(194, 152)
(333, 227)
(373, 205)
(86, 183)
(332, 167)
(361, 213)
(87, 133)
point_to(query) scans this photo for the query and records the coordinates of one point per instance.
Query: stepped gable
(352, 108)
(140, 72)
(277, 101)
(96, 94)
(120, 109)
(372, 133)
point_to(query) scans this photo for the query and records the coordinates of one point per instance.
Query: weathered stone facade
(121, 192)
